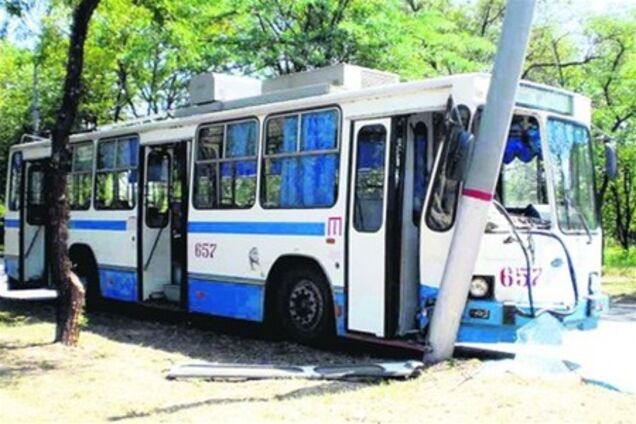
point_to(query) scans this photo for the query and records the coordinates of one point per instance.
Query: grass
(620, 283)
(117, 374)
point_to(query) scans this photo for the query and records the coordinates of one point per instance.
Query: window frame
(91, 173)
(439, 168)
(223, 159)
(573, 232)
(166, 221)
(35, 217)
(115, 170)
(386, 171)
(337, 150)
(14, 205)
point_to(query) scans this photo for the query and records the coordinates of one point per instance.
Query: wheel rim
(305, 305)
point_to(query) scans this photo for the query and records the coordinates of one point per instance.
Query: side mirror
(611, 162)
(459, 152)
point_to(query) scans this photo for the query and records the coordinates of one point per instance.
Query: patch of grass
(617, 257)
(620, 283)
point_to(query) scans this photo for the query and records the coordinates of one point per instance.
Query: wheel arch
(284, 263)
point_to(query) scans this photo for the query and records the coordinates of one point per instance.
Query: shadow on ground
(200, 337)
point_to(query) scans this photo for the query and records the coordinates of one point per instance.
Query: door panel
(34, 231)
(156, 216)
(366, 286)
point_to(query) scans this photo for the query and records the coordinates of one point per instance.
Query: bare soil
(117, 374)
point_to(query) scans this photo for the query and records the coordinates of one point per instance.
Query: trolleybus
(322, 202)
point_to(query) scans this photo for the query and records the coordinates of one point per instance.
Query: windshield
(573, 174)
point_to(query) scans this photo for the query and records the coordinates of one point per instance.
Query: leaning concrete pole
(481, 180)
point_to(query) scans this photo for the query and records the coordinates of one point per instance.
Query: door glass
(157, 189)
(16, 178)
(36, 209)
(370, 170)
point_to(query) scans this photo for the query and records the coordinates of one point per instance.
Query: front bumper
(488, 321)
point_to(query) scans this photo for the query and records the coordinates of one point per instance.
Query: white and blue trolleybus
(321, 201)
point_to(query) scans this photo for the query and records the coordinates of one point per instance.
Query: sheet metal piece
(379, 370)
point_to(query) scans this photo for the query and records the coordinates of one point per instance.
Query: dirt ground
(118, 374)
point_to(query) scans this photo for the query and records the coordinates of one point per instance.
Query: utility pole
(35, 113)
(481, 180)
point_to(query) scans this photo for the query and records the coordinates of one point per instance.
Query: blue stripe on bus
(84, 224)
(262, 228)
(11, 223)
(230, 300)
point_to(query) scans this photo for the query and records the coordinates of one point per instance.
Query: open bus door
(367, 233)
(163, 226)
(33, 224)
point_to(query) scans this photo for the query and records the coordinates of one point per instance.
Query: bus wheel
(305, 307)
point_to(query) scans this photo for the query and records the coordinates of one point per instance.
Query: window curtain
(319, 172)
(517, 149)
(290, 195)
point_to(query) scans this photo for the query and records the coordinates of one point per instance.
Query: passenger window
(225, 169)
(301, 161)
(36, 201)
(116, 174)
(157, 190)
(15, 182)
(79, 179)
(420, 170)
(370, 173)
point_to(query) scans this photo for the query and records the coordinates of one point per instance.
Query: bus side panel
(231, 252)
(112, 237)
(12, 245)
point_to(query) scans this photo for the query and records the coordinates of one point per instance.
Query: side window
(79, 180)
(370, 173)
(15, 182)
(36, 201)
(116, 174)
(301, 161)
(445, 191)
(420, 171)
(157, 190)
(225, 168)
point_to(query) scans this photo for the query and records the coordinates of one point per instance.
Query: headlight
(479, 287)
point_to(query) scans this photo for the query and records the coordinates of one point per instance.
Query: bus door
(33, 226)
(163, 222)
(367, 298)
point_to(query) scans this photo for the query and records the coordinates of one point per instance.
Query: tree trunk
(70, 291)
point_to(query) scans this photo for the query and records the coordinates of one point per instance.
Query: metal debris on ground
(380, 370)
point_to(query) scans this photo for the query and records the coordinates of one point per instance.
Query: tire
(305, 307)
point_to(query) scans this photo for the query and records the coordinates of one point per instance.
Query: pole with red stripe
(481, 180)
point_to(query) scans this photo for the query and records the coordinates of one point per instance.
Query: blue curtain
(241, 140)
(318, 172)
(517, 149)
(289, 193)
(307, 181)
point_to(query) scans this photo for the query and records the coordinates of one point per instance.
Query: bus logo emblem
(334, 226)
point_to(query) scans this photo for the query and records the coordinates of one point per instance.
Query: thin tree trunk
(70, 290)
